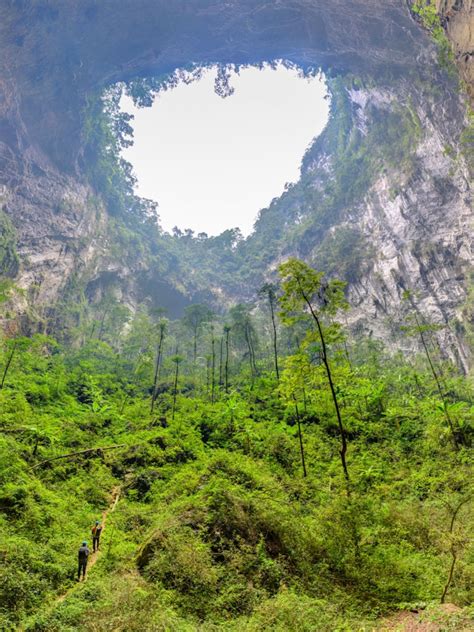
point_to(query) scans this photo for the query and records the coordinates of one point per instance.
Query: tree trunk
(208, 376)
(195, 346)
(452, 549)
(275, 342)
(227, 361)
(438, 385)
(7, 366)
(300, 436)
(252, 360)
(325, 360)
(249, 347)
(157, 371)
(175, 389)
(80, 452)
(221, 361)
(213, 367)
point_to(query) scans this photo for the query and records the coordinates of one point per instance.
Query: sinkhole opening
(212, 163)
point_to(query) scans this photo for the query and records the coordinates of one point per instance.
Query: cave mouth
(219, 143)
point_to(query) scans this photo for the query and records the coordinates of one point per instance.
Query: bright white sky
(213, 163)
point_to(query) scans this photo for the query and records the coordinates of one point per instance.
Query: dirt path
(443, 618)
(93, 557)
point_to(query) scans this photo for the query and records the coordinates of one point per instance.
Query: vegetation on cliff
(9, 261)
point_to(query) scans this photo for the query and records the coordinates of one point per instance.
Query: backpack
(83, 553)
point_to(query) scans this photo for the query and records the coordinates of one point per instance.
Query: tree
(13, 346)
(300, 437)
(176, 359)
(213, 363)
(244, 330)
(194, 317)
(227, 329)
(112, 316)
(304, 290)
(269, 292)
(455, 541)
(291, 388)
(421, 329)
(221, 362)
(159, 354)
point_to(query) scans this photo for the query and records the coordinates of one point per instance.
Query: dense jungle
(273, 432)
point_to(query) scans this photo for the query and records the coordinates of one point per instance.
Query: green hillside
(252, 477)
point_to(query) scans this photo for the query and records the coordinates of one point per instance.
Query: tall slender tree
(244, 330)
(194, 318)
(213, 363)
(300, 437)
(227, 329)
(305, 292)
(221, 362)
(159, 355)
(421, 329)
(268, 291)
(10, 355)
(176, 359)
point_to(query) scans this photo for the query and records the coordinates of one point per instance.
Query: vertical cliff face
(384, 196)
(417, 221)
(57, 218)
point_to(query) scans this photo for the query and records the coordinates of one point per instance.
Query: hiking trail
(93, 557)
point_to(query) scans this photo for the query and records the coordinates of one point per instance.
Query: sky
(213, 163)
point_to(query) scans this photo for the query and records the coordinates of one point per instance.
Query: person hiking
(96, 531)
(83, 556)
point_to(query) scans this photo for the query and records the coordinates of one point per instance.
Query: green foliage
(427, 12)
(345, 253)
(106, 130)
(357, 147)
(216, 526)
(9, 261)
(303, 286)
(467, 141)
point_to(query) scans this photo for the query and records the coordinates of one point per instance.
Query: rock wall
(58, 219)
(58, 53)
(420, 224)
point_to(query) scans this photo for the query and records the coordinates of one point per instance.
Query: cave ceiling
(58, 52)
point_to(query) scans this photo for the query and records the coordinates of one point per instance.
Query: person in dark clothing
(96, 531)
(83, 556)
